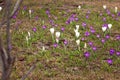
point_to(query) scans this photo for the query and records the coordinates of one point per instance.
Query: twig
(29, 71)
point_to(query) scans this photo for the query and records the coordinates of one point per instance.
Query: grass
(64, 62)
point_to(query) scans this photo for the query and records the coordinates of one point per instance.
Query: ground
(64, 62)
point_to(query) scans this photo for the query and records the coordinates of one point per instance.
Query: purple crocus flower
(118, 53)
(87, 16)
(109, 61)
(113, 15)
(82, 39)
(84, 24)
(104, 19)
(92, 31)
(105, 25)
(118, 37)
(55, 45)
(87, 33)
(107, 36)
(108, 12)
(36, 18)
(76, 19)
(44, 26)
(103, 41)
(118, 13)
(34, 29)
(112, 51)
(101, 14)
(25, 8)
(90, 43)
(47, 12)
(62, 29)
(65, 42)
(14, 17)
(94, 48)
(87, 54)
(98, 36)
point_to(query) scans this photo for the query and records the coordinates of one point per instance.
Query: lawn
(66, 40)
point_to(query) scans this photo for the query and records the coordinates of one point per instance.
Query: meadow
(66, 40)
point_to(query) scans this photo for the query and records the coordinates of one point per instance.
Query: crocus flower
(118, 37)
(104, 29)
(118, 53)
(107, 36)
(112, 51)
(87, 54)
(55, 45)
(104, 19)
(29, 34)
(98, 36)
(57, 40)
(25, 8)
(109, 26)
(90, 43)
(77, 27)
(43, 48)
(103, 40)
(92, 31)
(82, 39)
(57, 34)
(79, 7)
(65, 42)
(78, 42)
(52, 30)
(85, 45)
(104, 6)
(77, 34)
(62, 29)
(94, 48)
(30, 11)
(44, 26)
(47, 12)
(87, 16)
(0, 8)
(116, 8)
(87, 33)
(34, 29)
(84, 24)
(109, 61)
(118, 14)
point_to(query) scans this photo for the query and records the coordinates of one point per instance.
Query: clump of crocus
(87, 54)
(109, 61)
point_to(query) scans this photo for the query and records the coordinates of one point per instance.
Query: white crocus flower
(79, 7)
(57, 40)
(85, 45)
(116, 9)
(109, 26)
(29, 34)
(43, 48)
(57, 34)
(104, 29)
(77, 27)
(104, 6)
(30, 12)
(52, 30)
(0, 8)
(77, 34)
(75, 30)
(78, 42)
